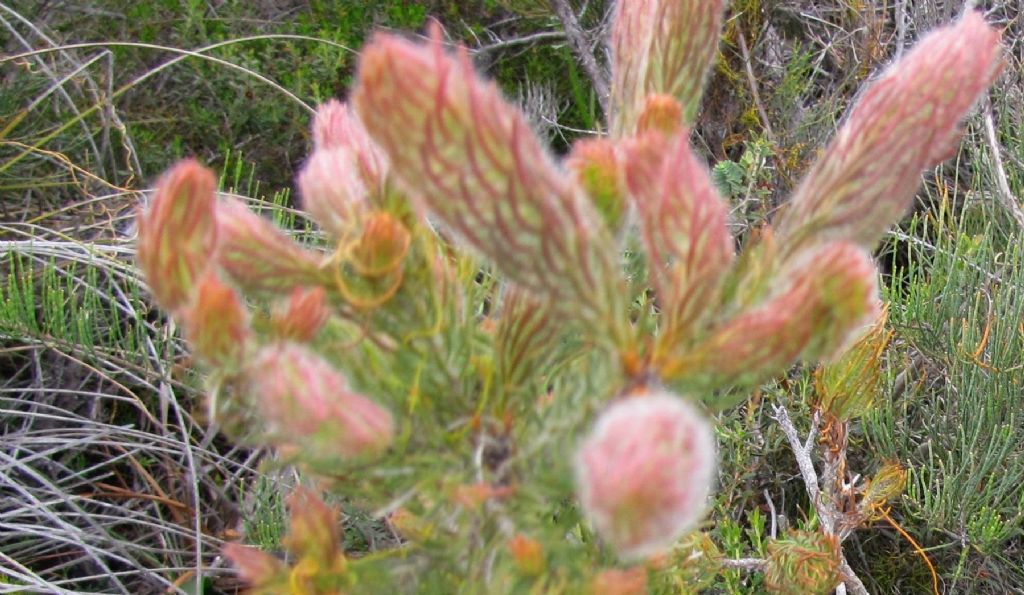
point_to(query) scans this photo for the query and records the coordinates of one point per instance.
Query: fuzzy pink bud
(336, 126)
(332, 191)
(906, 121)
(257, 255)
(310, 408)
(217, 324)
(661, 47)
(346, 172)
(303, 315)
(468, 157)
(177, 233)
(683, 224)
(646, 471)
(825, 299)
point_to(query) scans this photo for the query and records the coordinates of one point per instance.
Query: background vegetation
(112, 481)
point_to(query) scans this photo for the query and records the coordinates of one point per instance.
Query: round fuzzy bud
(646, 471)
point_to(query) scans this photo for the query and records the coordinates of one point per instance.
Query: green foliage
(953, 420)
(265, 524)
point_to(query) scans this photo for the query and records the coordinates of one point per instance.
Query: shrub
(443, 363)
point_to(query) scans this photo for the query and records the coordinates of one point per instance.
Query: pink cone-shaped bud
(310, 408)
(595, 166)
(336, 126)
(177, 233)
(303, 315)
(468, 157)
(346, 172)
(216, 323)
(827, 297)
(661, 47)
(333, 192)
(906, 121)
(257, 255)
(646, 471)
(683, 222)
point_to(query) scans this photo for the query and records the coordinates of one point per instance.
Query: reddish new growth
(469, 158)
(683, 222)
(310, 407)
(906, 121)
(177, 234)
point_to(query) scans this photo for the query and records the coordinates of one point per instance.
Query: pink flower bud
(177, 233)
(333, 192)
(646, 471)
(661, 47)
(683, 223)
(468, 157)
(310, 408)
(825, 299)
(216, 324)
(661, 113)
(336, 126)
(257, 256)
(303, 316)
(906, 121)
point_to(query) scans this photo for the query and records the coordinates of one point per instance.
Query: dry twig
(578, 40)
